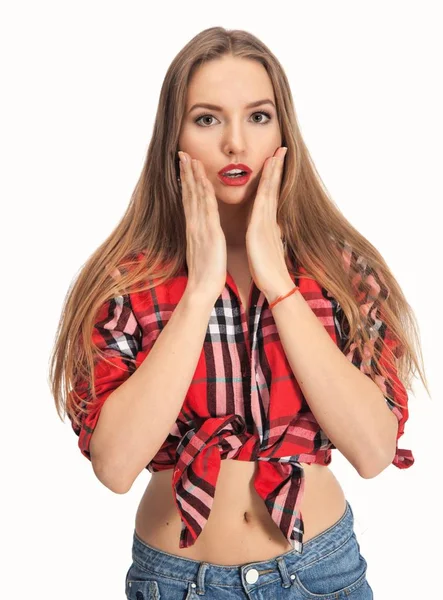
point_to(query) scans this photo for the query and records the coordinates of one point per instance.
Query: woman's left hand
(266, 253)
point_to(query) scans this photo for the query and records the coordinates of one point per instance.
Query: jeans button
(252, 576)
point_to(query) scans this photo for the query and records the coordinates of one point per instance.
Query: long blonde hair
(316, 234)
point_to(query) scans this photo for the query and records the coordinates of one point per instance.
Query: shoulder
(151, 299)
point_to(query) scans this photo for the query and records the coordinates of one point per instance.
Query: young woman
(228, 334)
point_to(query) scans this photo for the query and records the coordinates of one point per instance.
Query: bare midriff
(240, 528)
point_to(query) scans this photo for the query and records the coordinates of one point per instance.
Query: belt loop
(283, 571)
(201, 578)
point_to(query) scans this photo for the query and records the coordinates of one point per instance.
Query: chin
(235, 195)
(234, 199)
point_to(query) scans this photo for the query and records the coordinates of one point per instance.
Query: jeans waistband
(204, 573)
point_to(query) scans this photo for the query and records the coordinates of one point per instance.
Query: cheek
(196, 147)
(188, 141)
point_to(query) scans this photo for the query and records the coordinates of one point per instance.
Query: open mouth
(239, 178)
(234, 175)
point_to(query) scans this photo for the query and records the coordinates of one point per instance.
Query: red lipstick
(238, 179)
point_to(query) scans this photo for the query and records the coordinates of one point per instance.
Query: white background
(81, 83)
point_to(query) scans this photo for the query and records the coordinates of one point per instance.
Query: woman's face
(233, 133)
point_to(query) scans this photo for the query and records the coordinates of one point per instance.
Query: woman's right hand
(206, 255)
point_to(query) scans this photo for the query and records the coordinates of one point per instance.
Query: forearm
(137, 417)
(349, 407)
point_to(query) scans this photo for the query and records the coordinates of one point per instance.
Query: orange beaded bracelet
(283, 297)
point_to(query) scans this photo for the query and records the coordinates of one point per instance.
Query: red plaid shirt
(243, 403)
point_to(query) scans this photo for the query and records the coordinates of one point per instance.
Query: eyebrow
(219, 108)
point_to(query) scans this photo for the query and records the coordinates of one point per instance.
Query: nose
(234, 141)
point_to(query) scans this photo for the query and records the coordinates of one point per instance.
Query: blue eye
(260, 112)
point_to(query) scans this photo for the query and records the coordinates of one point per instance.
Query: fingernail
(183, 157)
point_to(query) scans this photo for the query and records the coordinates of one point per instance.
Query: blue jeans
(329, 568)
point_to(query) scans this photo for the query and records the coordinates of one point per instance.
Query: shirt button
(252, 576)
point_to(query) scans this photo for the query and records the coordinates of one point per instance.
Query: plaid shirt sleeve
(117, 333)
(371, 307)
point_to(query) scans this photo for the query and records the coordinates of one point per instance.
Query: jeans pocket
(139, 585)
(142, 584)
(142, 590)
(334, 575)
